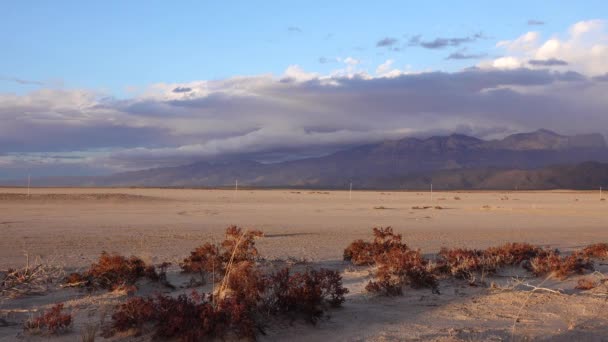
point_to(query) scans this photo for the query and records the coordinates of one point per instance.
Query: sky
(96, 88)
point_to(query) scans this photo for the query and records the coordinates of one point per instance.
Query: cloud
(601, 78)
(260, 116)
(534, 22)
(294, 29)
(584, 46)
(387, 42)
(461, 55)
(547, 62)
(440, 43)
(182, 90)
(20, 81)
(299, 112)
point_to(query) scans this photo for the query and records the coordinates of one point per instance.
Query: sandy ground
(72, 226)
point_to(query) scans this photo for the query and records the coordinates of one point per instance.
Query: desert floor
(71, 227)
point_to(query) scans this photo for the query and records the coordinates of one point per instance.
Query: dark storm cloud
(386, 42)
(440, 43)
(547, 62)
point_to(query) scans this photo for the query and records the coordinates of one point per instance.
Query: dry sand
(72, 226)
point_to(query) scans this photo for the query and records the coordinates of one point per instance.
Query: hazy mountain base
(449, 162)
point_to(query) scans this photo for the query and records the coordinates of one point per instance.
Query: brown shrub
(586, 284)
(213, 259)
(188, 318)
(306, 293)
(113, 271)
(51, 322)
(360, 252)
(398, 268)
(598, 250)
(561, 267)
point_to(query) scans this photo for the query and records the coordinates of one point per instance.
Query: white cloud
(584, 48)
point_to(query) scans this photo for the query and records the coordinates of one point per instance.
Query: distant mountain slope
(457, 161)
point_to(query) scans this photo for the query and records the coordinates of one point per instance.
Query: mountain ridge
(390, 163)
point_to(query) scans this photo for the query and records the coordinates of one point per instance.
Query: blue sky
(112, 45)
(91, 88)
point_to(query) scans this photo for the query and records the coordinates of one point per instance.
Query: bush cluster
(398, 266)
(362, 252)
(51, 322)
(113, 271)
(238, 246)
(243, 296)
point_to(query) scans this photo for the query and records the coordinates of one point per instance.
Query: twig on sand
(530, 293)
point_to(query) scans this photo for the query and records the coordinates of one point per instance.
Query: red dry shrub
(398, 268)
(245, 283)
(561, 267)
(134, 314)
(237, 246)
(598, 250)
(187, 318)
(205, 259)
(460, 262)
(512, 253)
(113, 271)
(52, 322)
(306, 293)
(361, 252)
(586, 284)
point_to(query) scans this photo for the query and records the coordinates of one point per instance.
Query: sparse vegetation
(361, 252)
(51, 322)
(398, 266)
(586, 284)
(242, 298)
(113, 272)
(213, 259)
(32, 279)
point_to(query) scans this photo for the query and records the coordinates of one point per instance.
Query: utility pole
(350, 191)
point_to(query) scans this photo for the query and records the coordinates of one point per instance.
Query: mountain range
(538, 160)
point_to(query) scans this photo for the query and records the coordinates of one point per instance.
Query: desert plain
(70, 227)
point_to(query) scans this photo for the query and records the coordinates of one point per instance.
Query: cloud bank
(559, 84)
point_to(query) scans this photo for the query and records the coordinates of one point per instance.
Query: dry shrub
(245, 283)
(32, 279)
(51, 322)
(236, 307)
(586, 284)
(512, 253)
(306, 293)
(361, 252)
(598, 250)
(213, 259)
(561, 267)
(398, 268)
(113, 271)
(236, 310)
(188, 318)
(459, 262)
(462, 263)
